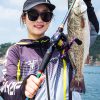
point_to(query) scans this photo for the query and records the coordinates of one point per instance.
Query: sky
(10, 11)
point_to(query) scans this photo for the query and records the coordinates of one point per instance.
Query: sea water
(92, 82)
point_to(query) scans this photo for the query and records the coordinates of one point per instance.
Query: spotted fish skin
(78, 27)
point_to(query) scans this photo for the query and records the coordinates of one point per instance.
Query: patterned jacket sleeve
(10, 88)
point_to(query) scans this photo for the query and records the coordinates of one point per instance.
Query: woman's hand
(32, 85)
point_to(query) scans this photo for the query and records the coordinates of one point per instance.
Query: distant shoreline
(92, 65)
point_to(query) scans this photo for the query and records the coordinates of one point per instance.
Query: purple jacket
(30, 54)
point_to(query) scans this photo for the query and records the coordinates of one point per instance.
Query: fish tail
(77, 84)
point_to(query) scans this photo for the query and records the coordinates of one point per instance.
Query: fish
(78, 26)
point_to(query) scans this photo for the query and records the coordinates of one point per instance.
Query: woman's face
(37, 28)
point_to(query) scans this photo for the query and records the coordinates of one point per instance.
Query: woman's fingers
(32, 85)
(31, 88)
(28, 94)
(42, 77)
(34, 79)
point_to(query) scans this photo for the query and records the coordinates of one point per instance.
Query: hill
(95, 49)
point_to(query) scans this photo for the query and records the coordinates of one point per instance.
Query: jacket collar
(26, 42)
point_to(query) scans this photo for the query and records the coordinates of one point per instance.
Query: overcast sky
(10, 11)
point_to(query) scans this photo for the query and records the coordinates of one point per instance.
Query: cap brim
(50, 6)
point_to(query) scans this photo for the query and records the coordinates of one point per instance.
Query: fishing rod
(59, 35)
(54, 41)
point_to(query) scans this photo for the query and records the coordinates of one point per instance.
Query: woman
(24, 59)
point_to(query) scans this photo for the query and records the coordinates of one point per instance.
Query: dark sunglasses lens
(46, 16)
(33, 15)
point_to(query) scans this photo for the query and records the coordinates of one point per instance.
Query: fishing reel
(59, 40)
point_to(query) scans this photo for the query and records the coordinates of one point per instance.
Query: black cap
(31, 3)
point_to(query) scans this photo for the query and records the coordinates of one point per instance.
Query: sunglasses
(34, 14)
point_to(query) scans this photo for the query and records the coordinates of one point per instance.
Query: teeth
(38, 26)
